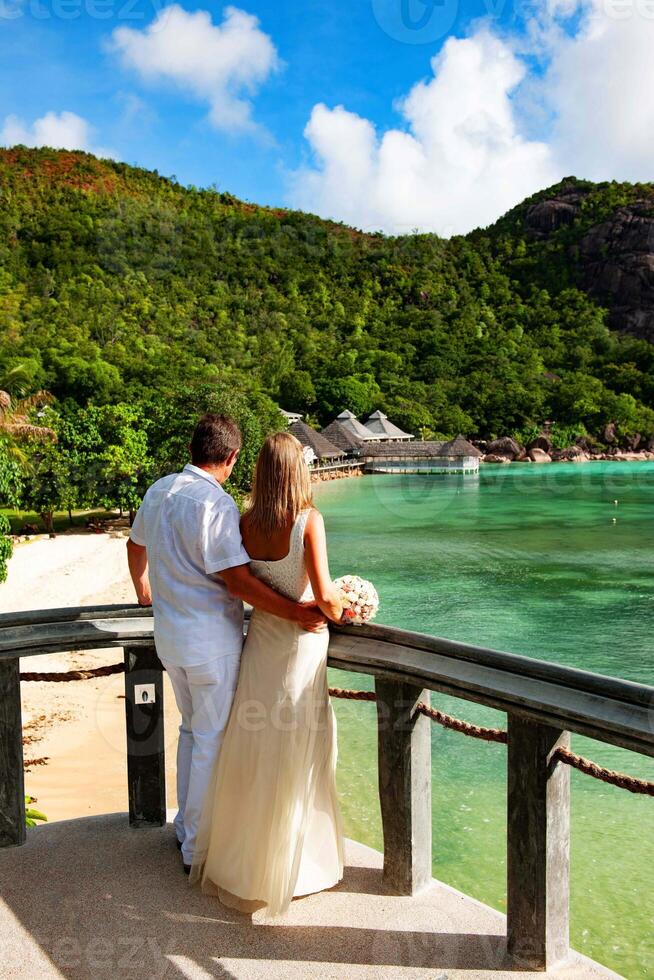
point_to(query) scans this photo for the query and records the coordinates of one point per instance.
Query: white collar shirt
(190, 528)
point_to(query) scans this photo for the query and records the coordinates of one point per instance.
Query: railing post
(12, 782)
(538, 845)
(146, 764)
(404, 752)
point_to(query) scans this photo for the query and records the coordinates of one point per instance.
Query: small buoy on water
(615, 520)
(615, 502)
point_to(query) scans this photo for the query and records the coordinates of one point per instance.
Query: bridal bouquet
(359, 598)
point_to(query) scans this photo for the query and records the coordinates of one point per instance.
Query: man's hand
(244, 585)
(311, 618)
(144, 597)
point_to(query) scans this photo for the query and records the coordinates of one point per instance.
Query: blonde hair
(281, 486)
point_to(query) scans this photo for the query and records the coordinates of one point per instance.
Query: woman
(271, 826)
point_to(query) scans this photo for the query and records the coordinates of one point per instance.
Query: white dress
(271, 826)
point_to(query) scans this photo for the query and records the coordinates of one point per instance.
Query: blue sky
(415, 143)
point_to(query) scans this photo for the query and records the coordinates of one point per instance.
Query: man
(187, 560)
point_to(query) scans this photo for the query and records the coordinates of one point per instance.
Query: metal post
(12, 783)
(146, 764)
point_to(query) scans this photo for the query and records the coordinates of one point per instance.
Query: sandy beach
(74, 732)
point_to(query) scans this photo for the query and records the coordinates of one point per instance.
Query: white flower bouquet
(359, 598)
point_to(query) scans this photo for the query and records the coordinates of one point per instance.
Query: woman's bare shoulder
(245, 526)
(314, 524)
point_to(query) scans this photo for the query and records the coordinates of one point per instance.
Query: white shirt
(190, 528)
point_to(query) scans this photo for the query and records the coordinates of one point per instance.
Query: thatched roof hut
(459, 447)
(409, 450)
(381, 428)
(350, 422)
(343, 438)
(322, 447)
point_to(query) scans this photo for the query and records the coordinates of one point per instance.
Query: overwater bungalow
(455, 456)
(460, 455)
(381, 428)
(384, 448)
(324, 450)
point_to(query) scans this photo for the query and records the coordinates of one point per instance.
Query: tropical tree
(45, 490)
(170, 420)
(124, 464)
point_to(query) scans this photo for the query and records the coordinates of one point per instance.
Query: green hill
(117, 284)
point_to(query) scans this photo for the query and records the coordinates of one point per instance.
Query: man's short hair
(214, 439)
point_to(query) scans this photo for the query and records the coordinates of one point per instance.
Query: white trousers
(204, 697)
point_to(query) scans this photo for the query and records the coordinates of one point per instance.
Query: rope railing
(622, 780)
(74, 675)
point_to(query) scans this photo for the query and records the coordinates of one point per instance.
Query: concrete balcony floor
(92, 898)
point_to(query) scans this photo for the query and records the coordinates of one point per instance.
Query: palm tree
(16, 411)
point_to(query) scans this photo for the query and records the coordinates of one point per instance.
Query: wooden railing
(350, 464)
(543, 701)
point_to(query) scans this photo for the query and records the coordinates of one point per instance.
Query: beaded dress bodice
(288, 575)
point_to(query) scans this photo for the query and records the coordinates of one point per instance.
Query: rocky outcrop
(617, 267)
(614, 258)
(544, 217)
(634, 441)
(336, 474)
(587, 444)
(574, 454)
(633, 449)
(506, 447)
(542, 442)
(582, 452)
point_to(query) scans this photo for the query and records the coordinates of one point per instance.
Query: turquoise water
(534, 560)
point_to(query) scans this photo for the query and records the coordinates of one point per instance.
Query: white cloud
(222, 65)
(599, 86)
(468, 151)
(62, 131)
(460, 162)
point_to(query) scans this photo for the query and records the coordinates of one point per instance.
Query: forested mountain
(117, 284)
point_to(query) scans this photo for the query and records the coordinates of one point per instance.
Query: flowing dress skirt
(271, 826)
